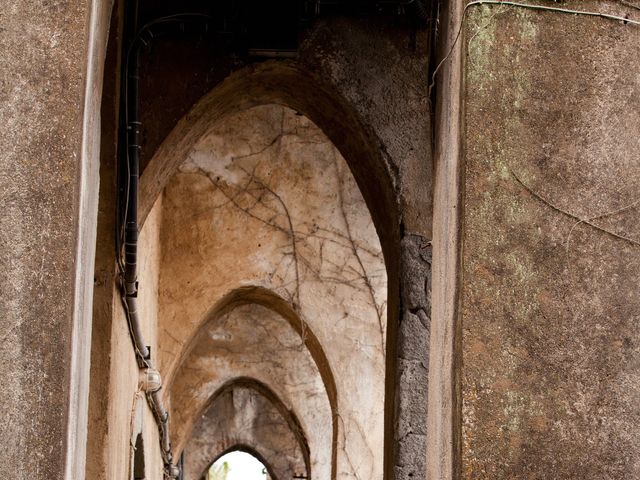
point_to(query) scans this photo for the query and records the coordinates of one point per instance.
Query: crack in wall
(276, 206)
(254, 197)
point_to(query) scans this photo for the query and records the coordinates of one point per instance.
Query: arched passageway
(204, 238)
(264, 198)
(327, 86)
(245, 412)
(248, 337)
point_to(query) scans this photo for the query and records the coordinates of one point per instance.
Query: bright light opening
(238, 466)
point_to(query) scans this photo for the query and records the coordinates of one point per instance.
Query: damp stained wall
(266, 200)
(550, 305)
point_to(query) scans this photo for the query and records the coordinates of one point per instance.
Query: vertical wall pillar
(51, 57)
(551, 259)
(443, 438)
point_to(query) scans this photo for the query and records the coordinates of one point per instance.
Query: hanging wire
(530, 6)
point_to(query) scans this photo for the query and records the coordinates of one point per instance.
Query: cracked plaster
(266, 200)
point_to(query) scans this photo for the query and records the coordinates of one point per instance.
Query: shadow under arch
(264, 297)
(289, 416)
(289, 84)
(285, 83)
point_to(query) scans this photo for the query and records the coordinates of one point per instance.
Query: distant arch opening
(246, 412)
(238, 464)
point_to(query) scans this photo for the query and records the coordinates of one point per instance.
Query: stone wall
(551, 256)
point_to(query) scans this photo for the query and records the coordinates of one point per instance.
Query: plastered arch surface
(276, 358)
(290, 85)
(247, 413)
(264, 198)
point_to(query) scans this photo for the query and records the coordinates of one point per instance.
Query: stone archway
(265, 198)
(289, 371)
(246, 415)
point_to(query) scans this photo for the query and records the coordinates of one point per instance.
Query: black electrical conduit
(150, 382)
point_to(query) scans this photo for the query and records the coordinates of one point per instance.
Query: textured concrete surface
(105, 302)
(245, 415)
(43, 65)
(443, 427)
(551, 262)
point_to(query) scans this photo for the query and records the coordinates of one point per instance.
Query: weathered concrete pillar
(551, 259)
(51, 61)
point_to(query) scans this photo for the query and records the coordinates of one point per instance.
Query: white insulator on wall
(150, 380)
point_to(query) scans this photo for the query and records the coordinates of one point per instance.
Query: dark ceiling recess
(273, 28)
(207, 40)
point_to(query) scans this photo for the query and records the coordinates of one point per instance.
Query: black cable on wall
(127, 233)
